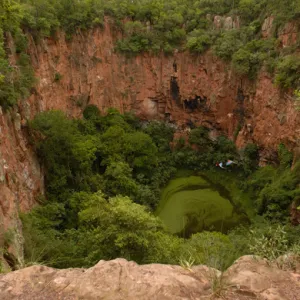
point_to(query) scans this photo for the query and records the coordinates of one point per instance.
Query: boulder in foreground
(247, 278)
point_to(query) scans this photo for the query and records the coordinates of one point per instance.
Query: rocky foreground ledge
(247, 278)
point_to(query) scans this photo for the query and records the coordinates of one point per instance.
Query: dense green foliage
(288, 72)
(149, 25)
(103, 180)
(17, 79)
(273, 190)
(128, 157)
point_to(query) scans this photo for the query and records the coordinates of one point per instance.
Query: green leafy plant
(269, 244)
(297, 99)
(218, 283)
(198, 41)
(187, 263)
(287, 74)
(57, 77)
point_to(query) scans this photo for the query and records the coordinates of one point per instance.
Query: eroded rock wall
(183, 88)
(21, 180)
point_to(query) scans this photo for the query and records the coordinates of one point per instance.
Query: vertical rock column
(21, 181)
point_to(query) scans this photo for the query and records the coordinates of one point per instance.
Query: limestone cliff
(21, 180)
(247, 279)
(181, 88)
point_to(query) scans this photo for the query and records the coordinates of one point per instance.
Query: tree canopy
(104, 175)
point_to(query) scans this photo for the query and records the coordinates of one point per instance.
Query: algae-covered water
(192, 204)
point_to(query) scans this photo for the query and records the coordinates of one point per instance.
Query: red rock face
(288, 34)
(267, 27)
(21, 179)
(183, 88)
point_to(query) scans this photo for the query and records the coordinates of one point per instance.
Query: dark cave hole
(190, 124)
(175, 90)
(240, 95)
(175, 66)
(195, 103)
(11, 260)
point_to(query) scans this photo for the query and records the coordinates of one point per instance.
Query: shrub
(161, 133)
(20, 41)
(249, 10)
(57, 77)
(249, 59)
(297, 99)
(227, 44)
(210, 248)
(270, 244)
(200, 137)
(250, 158)
(276, 197)
(285, 157)
(91, 112)
(198, 41)
(287, 74)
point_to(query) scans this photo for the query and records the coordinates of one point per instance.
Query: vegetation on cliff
(104, 175)
(152, 26)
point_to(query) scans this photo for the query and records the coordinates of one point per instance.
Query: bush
(200, 137)
(270, 244)
(285, 157)
(103, 230)
(15, 83)
(287, 74)
(249, 10)
(161, 133)
(275, 198)
(66, 153)
(250, 158)
(228, 43)
(249, 59)
(297, 99)
(213, 249)
(137, 39)
(198, 41)
(91, 112)
(57, 77)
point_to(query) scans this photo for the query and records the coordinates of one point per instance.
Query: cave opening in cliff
(240, 95)
(195, 103)
(190, 124)
(175, 66)
(175, 90)
(10, 259)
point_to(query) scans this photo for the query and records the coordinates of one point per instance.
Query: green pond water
(192, 204)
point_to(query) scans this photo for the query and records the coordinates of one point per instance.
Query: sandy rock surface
(118, 279)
